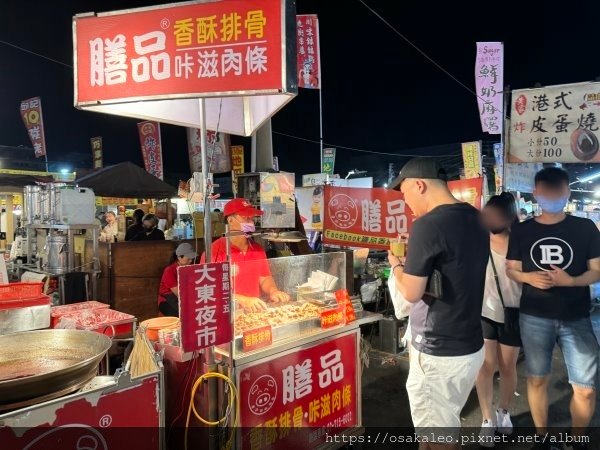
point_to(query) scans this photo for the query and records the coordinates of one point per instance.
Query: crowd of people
(482, 286)
(145, 227)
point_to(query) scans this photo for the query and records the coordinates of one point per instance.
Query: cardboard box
(217, 221)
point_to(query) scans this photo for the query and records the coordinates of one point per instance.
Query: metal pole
(505, 128)
(206, 189)
(209, 353)
(320, 97)
(254, 151)
(321, 129)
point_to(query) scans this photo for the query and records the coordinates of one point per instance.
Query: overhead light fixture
(587, 179)
(355, 172)
(597, 193)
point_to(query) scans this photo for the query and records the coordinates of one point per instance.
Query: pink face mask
(248, 228)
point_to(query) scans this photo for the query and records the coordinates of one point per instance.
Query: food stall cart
(296, 365)
(289, 374)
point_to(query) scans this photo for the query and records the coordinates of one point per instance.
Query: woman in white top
(501, 343)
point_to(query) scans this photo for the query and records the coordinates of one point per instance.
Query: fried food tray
(288, 331)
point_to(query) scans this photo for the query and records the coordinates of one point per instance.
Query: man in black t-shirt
(447, 343)
(557, 257)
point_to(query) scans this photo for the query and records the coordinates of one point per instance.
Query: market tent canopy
(16, 183)
(126, 180)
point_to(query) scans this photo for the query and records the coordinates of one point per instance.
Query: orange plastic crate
(17, 291)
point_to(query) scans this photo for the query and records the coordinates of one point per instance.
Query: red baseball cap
(242, 207)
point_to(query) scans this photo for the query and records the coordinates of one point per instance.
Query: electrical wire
(191, 370)
(35, 54)
(360, 149)
(233, 395)
(425, 55)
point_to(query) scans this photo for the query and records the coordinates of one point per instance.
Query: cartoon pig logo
(343, 211)
(263, 394)
(521, 105)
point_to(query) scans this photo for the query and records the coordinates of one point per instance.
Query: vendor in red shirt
(250, 270)
(168, 291)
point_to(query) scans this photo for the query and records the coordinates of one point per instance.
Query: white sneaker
(505, 425)
(487, 434)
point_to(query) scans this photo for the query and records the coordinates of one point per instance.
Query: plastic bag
(401, 306)
(368, 291)
(66, 323)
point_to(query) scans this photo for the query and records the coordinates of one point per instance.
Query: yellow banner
(346, 238)
(472, 159)
(107, 201)
(64, 177)
(237, 164)
(17, 200)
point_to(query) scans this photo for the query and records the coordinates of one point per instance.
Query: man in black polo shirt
(557, 257)
(447, 342)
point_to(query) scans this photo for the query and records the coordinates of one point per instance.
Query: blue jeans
(575, 338)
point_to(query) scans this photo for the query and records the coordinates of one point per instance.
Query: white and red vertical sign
(219, 151)
(31, 113)
(151, 147)
(309, 58)
(204, 305)
(489, 82)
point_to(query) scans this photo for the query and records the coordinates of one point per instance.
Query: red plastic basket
(105, 321)
(17, 291)
(61, 310)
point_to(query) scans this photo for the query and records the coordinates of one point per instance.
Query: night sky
(378, 92)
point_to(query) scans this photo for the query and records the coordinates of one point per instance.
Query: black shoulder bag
(511, 315)
(434, 287)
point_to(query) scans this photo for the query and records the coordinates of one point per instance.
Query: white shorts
(438, 388)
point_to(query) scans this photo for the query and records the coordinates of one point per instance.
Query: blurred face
(552, 192)
(552, 199)
(110, 217)
(148, 225)
(494, 220)
(184, 260)
(414, 192)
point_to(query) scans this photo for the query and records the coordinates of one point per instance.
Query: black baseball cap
(420, 168)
